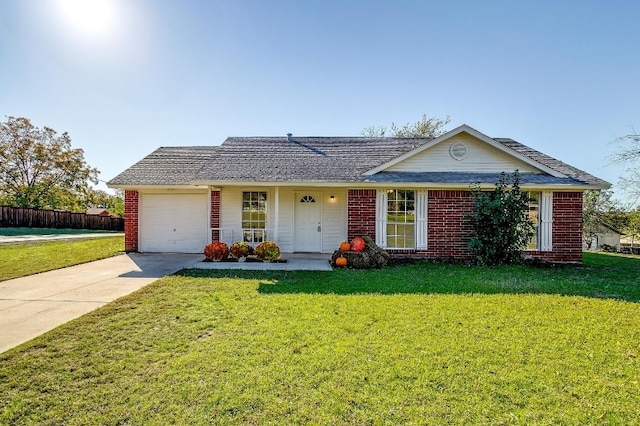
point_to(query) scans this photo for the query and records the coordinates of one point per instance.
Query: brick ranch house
(310, 193)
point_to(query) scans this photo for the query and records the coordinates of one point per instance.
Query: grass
(12, 232)
(21, 259)
(414, 344)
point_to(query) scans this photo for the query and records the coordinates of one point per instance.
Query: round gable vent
(458, 151)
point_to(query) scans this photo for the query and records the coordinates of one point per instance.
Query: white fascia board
(478, 135)
(143, 188)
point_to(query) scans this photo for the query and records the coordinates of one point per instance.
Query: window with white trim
(254, 216)
(401, 219)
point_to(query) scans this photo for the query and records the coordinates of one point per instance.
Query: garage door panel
(156, 201)
(174, 222)
(162, 217)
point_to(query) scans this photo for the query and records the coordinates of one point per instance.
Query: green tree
(40, 169)
(112, 202)
(426, 127)
(599, 207)
(501, 224)
(633, 226)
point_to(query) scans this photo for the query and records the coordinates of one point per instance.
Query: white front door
(308, 225)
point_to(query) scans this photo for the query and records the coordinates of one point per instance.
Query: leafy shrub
(501, 224)
(240, 249)
(217, 250)
(268, 250)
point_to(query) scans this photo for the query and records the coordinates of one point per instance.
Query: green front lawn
(415, 344)
(28, 258)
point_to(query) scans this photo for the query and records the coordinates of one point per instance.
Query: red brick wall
(361, 217)
(449, 228)
(215, 215)
(131, 202)
(567, 229)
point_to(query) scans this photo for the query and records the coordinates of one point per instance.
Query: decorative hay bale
(371, 257)
(377, 254)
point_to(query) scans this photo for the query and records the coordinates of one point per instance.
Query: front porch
(294, 262)
(299, 219)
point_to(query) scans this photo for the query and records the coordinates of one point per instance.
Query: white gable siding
(481, 158)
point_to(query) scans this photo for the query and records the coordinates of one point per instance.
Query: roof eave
(379, 184)
(138, 187)
(487, 186)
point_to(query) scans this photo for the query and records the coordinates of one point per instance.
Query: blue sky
(559, 76)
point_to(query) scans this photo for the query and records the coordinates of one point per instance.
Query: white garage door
(173, 223)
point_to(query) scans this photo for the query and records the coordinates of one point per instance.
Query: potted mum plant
(268, 250)
(240, 250)
(216, 251)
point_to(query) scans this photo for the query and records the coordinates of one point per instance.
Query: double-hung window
(401, 221)
(254, 216)
(401, 218)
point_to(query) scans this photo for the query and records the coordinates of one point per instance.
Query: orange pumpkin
(341, 261)
(357, 244)
(345, 246)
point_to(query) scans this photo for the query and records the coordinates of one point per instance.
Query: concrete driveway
(33, 305)
(6, 239)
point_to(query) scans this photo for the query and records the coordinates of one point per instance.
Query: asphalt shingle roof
(166, 166)
(315, 159)
(305, 159)
(564, 168)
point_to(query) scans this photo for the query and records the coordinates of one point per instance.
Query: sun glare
(88, 17)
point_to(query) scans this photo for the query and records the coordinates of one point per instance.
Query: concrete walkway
(33, 305)
(294, 262)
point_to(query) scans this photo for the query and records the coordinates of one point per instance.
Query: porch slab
(294, 262)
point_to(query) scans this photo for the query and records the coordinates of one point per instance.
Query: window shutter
(381, 218)
(546, 221)
(421, 220)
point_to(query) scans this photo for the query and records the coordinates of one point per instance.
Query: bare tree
(628, 153)
(426, 127)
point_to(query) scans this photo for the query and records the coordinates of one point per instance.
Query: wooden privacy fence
(13, 217)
